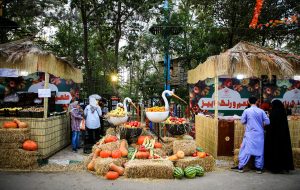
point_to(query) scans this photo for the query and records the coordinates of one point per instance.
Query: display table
(221, 137)
(51, 134)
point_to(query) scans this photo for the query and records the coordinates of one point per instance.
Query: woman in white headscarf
(92, 113)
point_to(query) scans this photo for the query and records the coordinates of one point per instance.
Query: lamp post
(166, 29)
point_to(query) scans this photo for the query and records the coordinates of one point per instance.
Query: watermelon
(178, 173)
(199, 170)
(190, 172)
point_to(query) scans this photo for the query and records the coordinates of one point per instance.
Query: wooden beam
(46, 99)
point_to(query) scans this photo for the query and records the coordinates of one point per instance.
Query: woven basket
(178, 129)
(130, 134)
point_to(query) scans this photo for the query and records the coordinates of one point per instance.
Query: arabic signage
(63, 98)
(228, 100)
(291, 98)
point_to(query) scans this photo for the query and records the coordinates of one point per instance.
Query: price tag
(44, 93)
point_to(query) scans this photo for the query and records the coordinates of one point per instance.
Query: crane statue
(158, 117)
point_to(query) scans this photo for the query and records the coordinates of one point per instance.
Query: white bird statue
(170, 93)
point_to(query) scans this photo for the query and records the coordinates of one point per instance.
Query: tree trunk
(85, 45)
(118, 36)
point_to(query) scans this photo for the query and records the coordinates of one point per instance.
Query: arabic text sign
(228, 100)
(44, 93)
(63, 98)
(291, 98)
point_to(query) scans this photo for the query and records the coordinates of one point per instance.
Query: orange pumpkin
(105, 154)
(112, 175)
(201, 154)
(116, 154)
(157, 145)
(10, 124)
(141, 139)
(30, 145)
(91, 166)
(111, 139)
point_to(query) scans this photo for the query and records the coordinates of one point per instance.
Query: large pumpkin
(10, 124)
(30, 145)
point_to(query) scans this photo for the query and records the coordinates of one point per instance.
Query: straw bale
(187, 146)
(102, 165)
(208, 163)
(18, 158)
(296, 157)
(162, 169)
(160, 151)
(111, 131)
(14, 135)
(87, 160)
(168, 145)
(110, 146)
(10, 145)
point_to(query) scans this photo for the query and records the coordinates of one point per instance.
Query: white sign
(228, 100)
(44, 93)
(63, 98)
(35, 87)
(291, 98)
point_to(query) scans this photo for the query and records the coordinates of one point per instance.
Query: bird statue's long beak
(133, 105)
(179, 98)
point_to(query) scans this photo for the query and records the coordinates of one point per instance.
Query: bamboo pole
(216, 98)
(46, 99)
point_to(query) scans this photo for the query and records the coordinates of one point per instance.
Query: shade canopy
(247, 59)
(24, 55)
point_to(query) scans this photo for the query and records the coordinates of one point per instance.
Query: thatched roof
(25, 55)
(248, 59)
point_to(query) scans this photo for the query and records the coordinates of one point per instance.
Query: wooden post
(216, 98)
(1, 11)
(142, 113)
(46, 99)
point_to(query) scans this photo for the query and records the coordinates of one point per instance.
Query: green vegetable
(178, 173)
(190, 172)
(199, 170)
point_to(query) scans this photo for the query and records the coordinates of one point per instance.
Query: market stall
(221, 86)
(35, 105)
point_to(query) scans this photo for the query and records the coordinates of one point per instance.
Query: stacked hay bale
(160, 169)
(296, 157)
(208, 163)
(11, 153)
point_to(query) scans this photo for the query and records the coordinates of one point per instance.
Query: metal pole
(167, 41)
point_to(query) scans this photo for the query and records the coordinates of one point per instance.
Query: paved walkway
(219, 179)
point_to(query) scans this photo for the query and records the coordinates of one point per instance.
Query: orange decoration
(256, 13)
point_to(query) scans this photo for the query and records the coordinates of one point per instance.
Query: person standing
(92, 113)
(76, 117)
(278, 149)
(253, 142)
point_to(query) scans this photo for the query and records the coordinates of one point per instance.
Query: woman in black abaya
(278, 150)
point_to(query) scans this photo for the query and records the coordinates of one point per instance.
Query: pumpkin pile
(14, 124)
(200, 153)
(109, 157)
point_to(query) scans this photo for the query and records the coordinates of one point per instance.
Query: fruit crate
(24, 114)
(37, 114)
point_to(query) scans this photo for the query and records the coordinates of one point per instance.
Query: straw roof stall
(249, 60)
(25, 55)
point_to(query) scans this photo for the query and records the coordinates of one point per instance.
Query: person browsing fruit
(253, 142)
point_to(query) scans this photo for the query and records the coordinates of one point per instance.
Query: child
(76, 117)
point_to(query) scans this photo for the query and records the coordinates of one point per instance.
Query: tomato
(195, 154)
